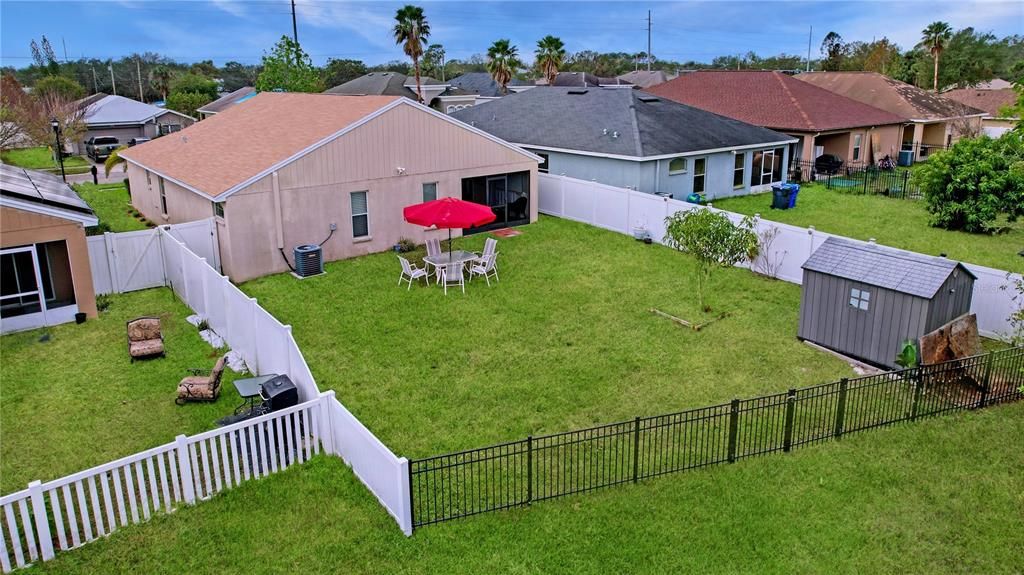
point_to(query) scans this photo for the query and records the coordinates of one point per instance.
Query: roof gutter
(662, 156)
(932, 120)
(47, 209)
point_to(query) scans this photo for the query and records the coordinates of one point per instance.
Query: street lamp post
(59, 149)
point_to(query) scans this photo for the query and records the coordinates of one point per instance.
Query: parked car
(137, 141)
(99, 147)
(828, 164)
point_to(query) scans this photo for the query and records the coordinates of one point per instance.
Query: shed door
(861, 301)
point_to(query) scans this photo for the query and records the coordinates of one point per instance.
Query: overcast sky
(242, 29)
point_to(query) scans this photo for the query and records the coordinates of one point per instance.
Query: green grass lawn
(941, 495)
(41, 158)
(75, 400)
(112, 205)
(897, 223)
(566, 339)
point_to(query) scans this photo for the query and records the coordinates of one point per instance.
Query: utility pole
(809, 32)
(138, 74)
(648, 40)
(95, 84)
(65, 48)
(295, 26)
(113, 84)
(442, 64)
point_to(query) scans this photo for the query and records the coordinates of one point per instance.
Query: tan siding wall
(23, 228)
(182, 205)
(315, 190)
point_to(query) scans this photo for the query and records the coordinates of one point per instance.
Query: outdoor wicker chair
(145, 339)
(202, 385)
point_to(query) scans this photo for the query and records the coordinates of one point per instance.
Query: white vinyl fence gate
(622, 211)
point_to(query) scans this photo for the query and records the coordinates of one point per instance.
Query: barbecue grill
(279, 393)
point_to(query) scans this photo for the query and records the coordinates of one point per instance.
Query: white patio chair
(433, 250)
(488, 268)
(411, 273)
(490, 248)
(452, 275)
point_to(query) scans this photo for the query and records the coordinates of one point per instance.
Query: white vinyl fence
(622, 210)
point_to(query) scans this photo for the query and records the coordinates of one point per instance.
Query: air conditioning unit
(309, 260)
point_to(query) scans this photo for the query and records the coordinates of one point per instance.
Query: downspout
(278, 219)
(657, 176)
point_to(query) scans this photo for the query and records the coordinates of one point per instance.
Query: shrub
(405, 245)
(203, 325)
(103, 302)
(969, 186)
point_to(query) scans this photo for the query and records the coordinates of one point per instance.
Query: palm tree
(115, 159)
(412, 30)
(160, 78)
(550, 55)
(502, 62)
(934, 38)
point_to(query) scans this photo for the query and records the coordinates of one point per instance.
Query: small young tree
(713, 239)
(288, 68)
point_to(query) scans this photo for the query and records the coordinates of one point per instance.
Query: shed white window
(857, 138)
(676, 166)
(163, 196)
(360, 215)
(860, 299)
(699, 166)
(429, 191)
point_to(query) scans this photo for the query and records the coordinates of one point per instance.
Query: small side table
(250, 388)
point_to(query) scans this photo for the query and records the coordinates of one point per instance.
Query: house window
(360, 215)
(698, 175)
(149, 178)
(676, 166)
(860, 299)
(738, 173)
(169, 129)
(163, 196)
(856, 146)
(429, 191)
(543, 166)
(218, 209)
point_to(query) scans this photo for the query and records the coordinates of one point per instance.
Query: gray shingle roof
(41, 188)
(610, 121)
(905, 272)
(381, 84)
(120, 110)
(479, 83)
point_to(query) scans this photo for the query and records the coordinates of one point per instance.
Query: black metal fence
(518, 473)
(894, 183)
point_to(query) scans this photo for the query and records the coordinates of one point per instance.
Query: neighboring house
(632, 139)
(584, 80)
(391, 84)
(475, 88)
(865, 300)
(822, 122)
(45, 272)
(644, 79)
(933, 122)
(991, 101)
(322, 169)
(124, 119)
(230, 99)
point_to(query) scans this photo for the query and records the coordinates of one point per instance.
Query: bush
(969, 186)
(187, 102)
(103, 302)
(405, 245)
(194, 84)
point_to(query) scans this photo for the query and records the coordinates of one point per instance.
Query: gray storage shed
(865, 300)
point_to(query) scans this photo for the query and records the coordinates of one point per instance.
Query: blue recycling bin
(784, 196)
(793, 190)
(906, 158)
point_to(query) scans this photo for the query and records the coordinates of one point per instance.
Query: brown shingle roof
(894, 96)
(990, 101)
(771, 99)
(225, 150)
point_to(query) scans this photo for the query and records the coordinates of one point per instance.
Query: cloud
(233, 7)
(914, 16)
(372, 26)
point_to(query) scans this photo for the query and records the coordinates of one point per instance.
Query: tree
(235, 75)
(194, 84)
(115, 159)
(432, 63)
(34, 113)
(502, 62)
(187, 102)
(411, 31)
(971, 185)
(12, 98)
(337, 72)
(43, 56)
(550, 56)
(713, 239)
(834, 51)
(288, 68)
(160, 77)
(934, 38)
(66, 88)
(204, 68)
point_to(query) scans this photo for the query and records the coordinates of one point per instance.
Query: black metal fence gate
(518, 473)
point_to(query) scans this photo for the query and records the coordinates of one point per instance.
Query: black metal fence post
(636, 449)
(837, 432)
(734, 417)
(916, 374)
(985, 381)
(529, 469)
(787, 441)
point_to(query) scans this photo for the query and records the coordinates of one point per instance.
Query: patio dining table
(445, 258)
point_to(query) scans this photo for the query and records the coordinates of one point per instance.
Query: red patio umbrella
(449, 213)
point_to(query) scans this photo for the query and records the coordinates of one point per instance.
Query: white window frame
(860, 299)
(424, 187)
(163, 196)
(703, 175)
(858, 139)
(741, 157)
(546, 163)
(218, 209)
(686, 166)
(354, 215)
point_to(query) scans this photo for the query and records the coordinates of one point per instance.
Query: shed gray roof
(905, 272)
(610, 121)
(110, 110)
(40, 188)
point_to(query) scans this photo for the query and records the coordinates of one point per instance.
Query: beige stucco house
(291, 169)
